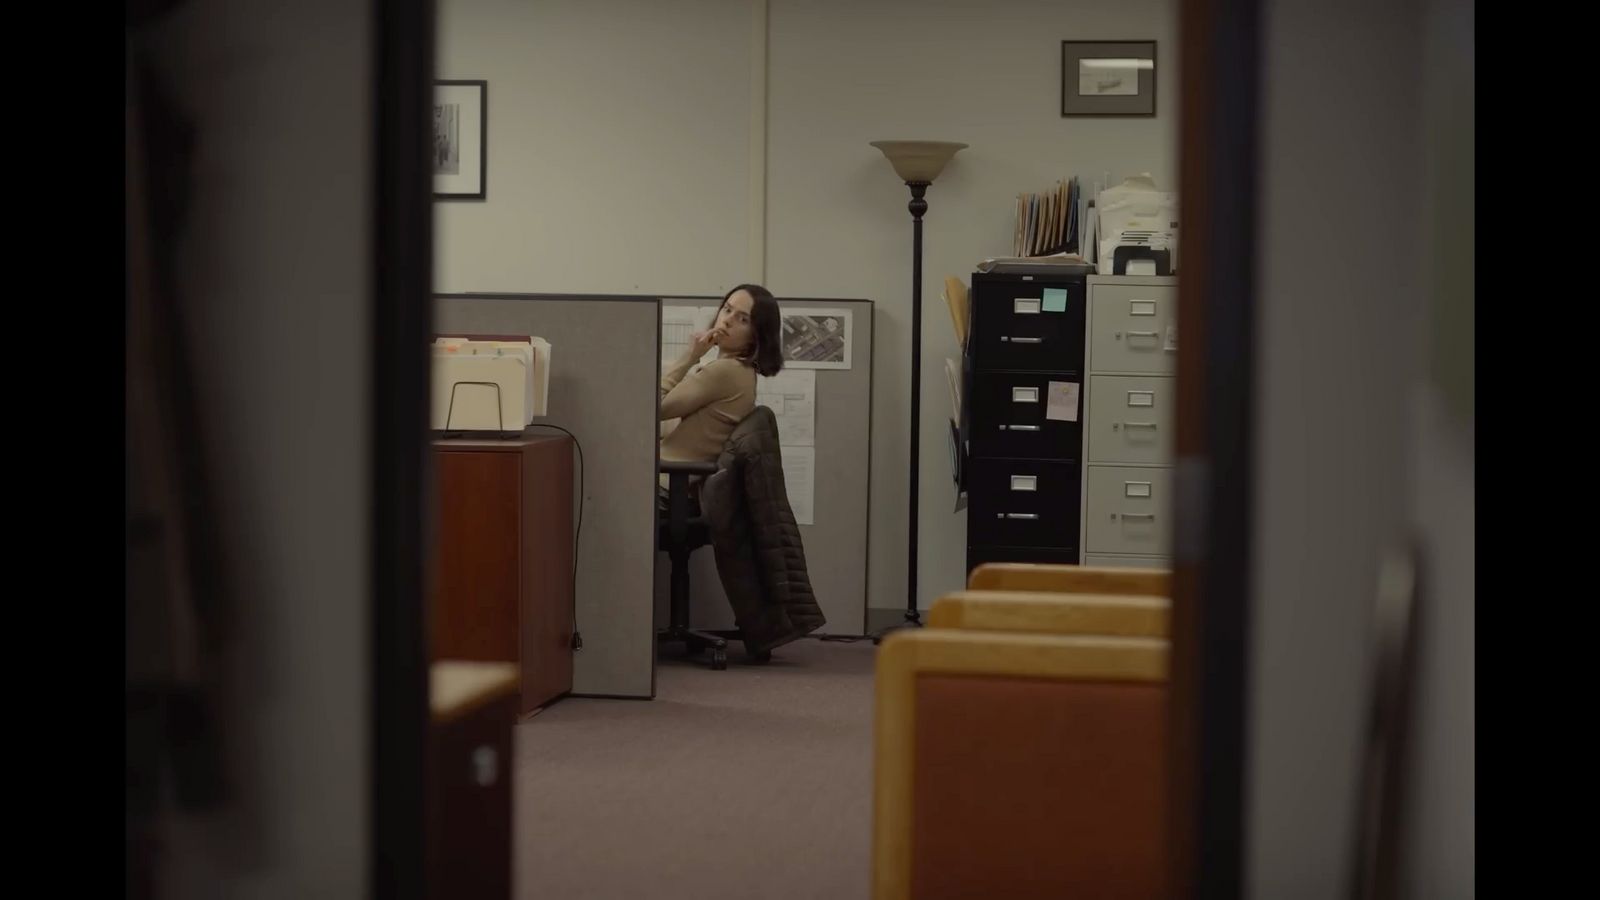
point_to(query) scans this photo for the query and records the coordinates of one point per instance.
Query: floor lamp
(917, 163)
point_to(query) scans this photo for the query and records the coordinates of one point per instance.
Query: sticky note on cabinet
(1055, 299)
(1061, 402)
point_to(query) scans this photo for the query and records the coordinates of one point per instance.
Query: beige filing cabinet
(1131, 361)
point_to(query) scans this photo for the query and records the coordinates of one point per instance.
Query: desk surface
(503, 444)
(456, 688)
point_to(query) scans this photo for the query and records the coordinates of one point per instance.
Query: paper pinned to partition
(799, 480)
(677, 331)
(792, 397)
(678, 325)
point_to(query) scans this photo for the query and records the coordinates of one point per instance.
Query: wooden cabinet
(503, 571)
(471, 761)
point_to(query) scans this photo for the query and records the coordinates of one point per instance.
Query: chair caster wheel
(719, 659)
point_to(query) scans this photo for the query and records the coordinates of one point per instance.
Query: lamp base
(913, 619)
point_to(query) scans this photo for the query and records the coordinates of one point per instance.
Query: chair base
(696, 642)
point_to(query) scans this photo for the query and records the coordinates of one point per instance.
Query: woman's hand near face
(703, 341)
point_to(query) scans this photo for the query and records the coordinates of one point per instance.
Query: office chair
(680, 532)
(684, 528)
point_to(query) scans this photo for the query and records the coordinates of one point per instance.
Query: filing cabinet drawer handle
(1150, 516)
(1028, 516)
(1028, 340)
(1149, 425)
(1142, 334)
(1020, 427)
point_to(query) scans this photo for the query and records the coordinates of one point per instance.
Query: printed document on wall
(678, 325)
(799, 480)
(792, 397)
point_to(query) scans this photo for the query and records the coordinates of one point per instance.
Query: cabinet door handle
(1029, 340)
(1019, 427)
(1028, 516)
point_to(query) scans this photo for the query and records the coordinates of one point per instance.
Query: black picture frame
(468, 184)
(1120, 105)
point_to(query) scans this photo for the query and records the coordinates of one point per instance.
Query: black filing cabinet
(1024, 431)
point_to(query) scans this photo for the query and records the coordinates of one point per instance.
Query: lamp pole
(917, 163)
(918, 206)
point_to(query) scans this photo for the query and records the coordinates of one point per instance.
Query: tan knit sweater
(709, 402)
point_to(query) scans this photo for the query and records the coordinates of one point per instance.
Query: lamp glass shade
(918, 160)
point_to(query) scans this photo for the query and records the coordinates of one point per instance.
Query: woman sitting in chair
(772, 603)
(710, 401)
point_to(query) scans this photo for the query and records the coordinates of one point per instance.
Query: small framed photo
(460, 139)
(1108, 78)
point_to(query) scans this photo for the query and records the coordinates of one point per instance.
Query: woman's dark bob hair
(765, 354)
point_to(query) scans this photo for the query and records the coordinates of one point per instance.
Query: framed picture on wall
(1108, 78)
(460, 139)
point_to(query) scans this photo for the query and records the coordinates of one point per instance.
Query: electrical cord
(577, 541)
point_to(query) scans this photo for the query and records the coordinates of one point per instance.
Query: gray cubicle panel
(605, 393)
(836, 546)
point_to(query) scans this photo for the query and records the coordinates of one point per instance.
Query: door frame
(1220, 62)
(401, 313)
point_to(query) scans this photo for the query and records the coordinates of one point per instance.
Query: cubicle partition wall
(605, 369)
(841, 454)
(604, 390)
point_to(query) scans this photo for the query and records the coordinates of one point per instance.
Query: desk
(503, 577)
(470, 769)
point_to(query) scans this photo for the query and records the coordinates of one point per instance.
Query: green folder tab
(1055, 299)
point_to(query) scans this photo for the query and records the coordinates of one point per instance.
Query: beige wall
(618, 146)
(608, 107)
(984, 73)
